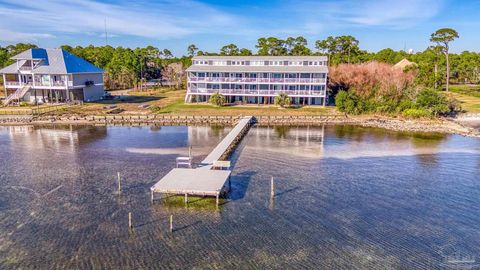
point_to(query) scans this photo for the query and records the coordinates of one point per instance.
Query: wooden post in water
(119, 183)
(130, 224)
(217, 199)
(272, 187)
(186, 198)
(171, 223)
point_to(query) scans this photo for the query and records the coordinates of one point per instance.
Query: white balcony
(258, 80)
(249, 92)
(40, 84)
(12, 84)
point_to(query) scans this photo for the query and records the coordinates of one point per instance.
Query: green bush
(217, 99)
(433, 101)
(349, 103)
(283, 100)
(23, 104)
(428, 102)
(155, 108)
(386, 106)
(454, 104)
(404, 105)
(416, 113)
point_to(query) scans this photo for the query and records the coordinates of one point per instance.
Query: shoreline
(442, 125)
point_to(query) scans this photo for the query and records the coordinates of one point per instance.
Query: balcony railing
(316, 93)
(12, 83)
(257, 80)
(41, 83)
(25, 68)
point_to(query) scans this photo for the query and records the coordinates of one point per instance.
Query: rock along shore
(443, 125)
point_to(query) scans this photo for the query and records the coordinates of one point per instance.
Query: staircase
(20, 93)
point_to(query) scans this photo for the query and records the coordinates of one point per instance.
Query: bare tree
(174, 73)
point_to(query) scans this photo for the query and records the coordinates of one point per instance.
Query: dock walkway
(204, 180)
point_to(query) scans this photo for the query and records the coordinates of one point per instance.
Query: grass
(467, 90)
(170, 101)
(207, 109)
(468, 95)
(470, 104)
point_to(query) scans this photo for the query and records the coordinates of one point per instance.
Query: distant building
(258, 79)
(51, 76)
(404, 63)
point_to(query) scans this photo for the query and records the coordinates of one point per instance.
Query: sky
(211, 24)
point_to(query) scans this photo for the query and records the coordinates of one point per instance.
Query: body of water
(346, 197)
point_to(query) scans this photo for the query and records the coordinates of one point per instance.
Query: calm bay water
(347, 197)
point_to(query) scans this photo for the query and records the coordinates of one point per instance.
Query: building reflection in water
(306, 142)
(64, 138)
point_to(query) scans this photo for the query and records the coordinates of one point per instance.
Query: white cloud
(166, 19)
(12, 36)
(383, 13)
(30, 20)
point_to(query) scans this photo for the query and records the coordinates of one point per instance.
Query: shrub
(373, 79)
(385, 106)
(155, 108)
(348, 103)
(404, 105)
(416, 113)
(23, 104)
(454, 104)
(433, 101)
(283, 100)
(341, 100)
(217, 99)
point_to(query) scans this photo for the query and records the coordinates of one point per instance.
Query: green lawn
(468, 90)
(179, 107)
(470, 104)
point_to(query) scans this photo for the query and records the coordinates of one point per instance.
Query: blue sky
(210, 24)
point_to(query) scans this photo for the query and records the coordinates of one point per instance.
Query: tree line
(126, 67)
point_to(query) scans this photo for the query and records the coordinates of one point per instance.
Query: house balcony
(12, 84)
(40, 84)
(250, 92)
(258, 80)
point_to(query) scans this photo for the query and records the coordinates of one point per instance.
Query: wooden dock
(204, 180)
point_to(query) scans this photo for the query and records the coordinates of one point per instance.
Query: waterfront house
(51, 76)
(258, 79)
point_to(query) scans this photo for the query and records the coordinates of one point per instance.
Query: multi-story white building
(258, 79)
(51, 75)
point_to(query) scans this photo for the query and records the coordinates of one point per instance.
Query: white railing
(25, 68)
(12, 83)
(59, 83)
(258, 80)
(316, 93)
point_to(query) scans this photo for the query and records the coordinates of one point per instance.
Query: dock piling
(130, 224)
(272, 187)
(119, 183)
(171, 223)
(186, 198)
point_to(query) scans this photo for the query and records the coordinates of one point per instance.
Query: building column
(5, 84)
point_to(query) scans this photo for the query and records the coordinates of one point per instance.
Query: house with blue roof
(51, 76)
